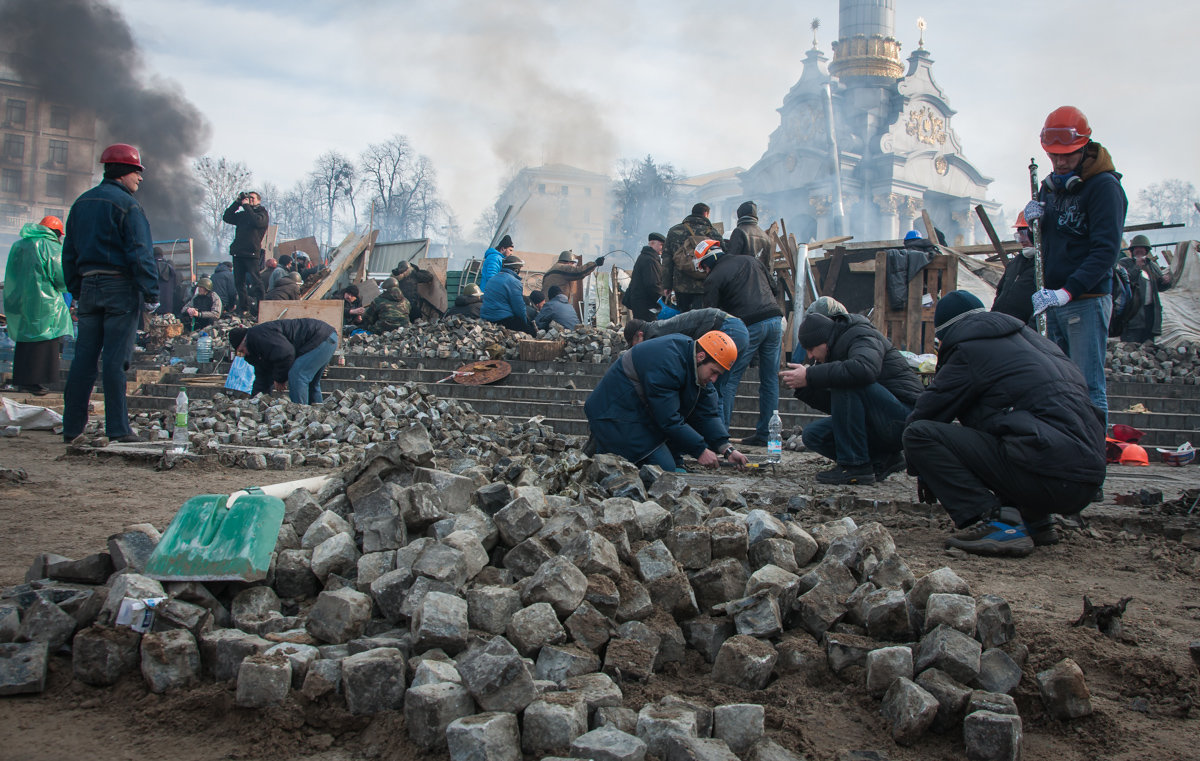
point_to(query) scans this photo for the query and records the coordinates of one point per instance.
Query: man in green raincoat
(34, 306)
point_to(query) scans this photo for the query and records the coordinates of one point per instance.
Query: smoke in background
(81, 53)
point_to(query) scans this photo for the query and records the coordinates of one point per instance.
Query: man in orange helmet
(657, 403)
(1082, 208)
(108, 262)
(1014, 294)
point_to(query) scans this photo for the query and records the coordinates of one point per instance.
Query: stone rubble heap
(508, 607)
(468, 339)
(1147, 363)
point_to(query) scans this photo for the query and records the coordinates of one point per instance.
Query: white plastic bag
(29, 417)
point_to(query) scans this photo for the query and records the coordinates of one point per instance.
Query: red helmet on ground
(1066, 130)
(1134, 454)
(54, 223)
(1021, 223)
(122, 153)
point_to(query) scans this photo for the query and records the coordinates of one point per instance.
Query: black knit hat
(815, 330)
(954, 306)
(748, 209)
(505, 242)
(117, 171)
(236, 336)
(656, 236)
(555, 290)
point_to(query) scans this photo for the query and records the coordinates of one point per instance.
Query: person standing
(749, 239)
(287, 354)
(1014, 294)
(169, 292)
(250, 218)
(645, 283)
(416, 283)
(108, 263)
(34, 306)
(568, 275)
(1082, 208)
(390, 309)
(503, 302)
(493, 260)
(681, 279)
(1146, 276)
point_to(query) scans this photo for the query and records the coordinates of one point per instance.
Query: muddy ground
(1143, 688)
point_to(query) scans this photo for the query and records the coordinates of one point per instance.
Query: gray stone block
(756, 616)
(699, 749)
(941, 581)
(517, 521)
(440, 621)
(327, 525)
(767, 749)
(371, 566)
(654, 562)
(819, 609)
(952, 698)
(430, 708)
(222, 651)
(336, 555)
(443, 563)
(674, 595)
(553, 722)
(491, 736)
(43, 621)
(177, 614)
(761, 525)
(740, 725)
(844, 650)
(287, 539)
(885, 666)
(299, 656)
(127, 585)
(993, 621)
(170, 660)
(955, 611)
(1064, 691)
(707, 635)
(631, 658)
(23, 667)
(475, 556)
(100, 655)
(825, 533)
(775, 551)
(892, 573)
(996, 702)
(726, 579)
(591, 552)
(557, 663)
(910, 710)
(339, 616)
(596, 690)
(492, 497)
(454, 491)
(324, 677)
(588, 627)
(951, 651)
(497, 677)
(93, 569)
(624, 719)
(653, 522)
(373, 681)
(431, 671)
(534, 626)
(608, 743)
(691, 546)
(603, 593)
(998, 672)
(10, 622)
(131, 549)
(490, 608)
(745, 662)
(634, 600)
(390, 592)
(559, 583)
(300, 509)
(263, 680)
(294, 578)
(888, 616)
(992, 736)
(253, 607)
(832, 573)
(385, 532)
(658, 725)
(729, 537)
(422, 586)
(781, 584)
(528, 556)
(804, 546)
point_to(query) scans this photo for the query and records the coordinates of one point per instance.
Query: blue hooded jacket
(493, 261)
(504, 299)
(676, 410)
(107, 230)
(557, 309)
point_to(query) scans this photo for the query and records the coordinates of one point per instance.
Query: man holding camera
(246, 214)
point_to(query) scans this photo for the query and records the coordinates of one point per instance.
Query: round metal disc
(482, 373)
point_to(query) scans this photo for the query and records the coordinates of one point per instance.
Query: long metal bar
(839, 209)
(1035, 230)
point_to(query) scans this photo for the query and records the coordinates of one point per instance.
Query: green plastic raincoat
(34, 286)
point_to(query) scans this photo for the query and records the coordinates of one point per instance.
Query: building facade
(560, 208)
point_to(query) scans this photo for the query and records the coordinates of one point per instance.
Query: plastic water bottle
(7, 350)
(179, 439)
(775, 438)
(204, 348)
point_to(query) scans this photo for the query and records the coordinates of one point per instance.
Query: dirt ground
(1143, 689)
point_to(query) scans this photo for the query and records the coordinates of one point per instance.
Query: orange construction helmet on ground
(1066, 130)
(719, 347)
(54, 223)
(1134, 454)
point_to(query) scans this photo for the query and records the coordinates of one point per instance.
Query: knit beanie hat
(953, 307)
(505, 242)
(748, 209)
(815, 330)
(117, 171)
(236, 336)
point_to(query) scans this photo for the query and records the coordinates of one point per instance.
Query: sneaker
(1002, 535)
(131, 438)
(893, 463)
(753, 441)
(1043, 532)
(861, 475)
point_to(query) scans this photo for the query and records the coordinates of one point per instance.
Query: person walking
(681, 280)
(34, 306)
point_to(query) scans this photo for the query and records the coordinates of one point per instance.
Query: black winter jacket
(997, 375)
(859, 355)
(467, 306)
(1014, 295)
(272, 347)
(645, 283)
(223, 284)
(251, 223)
(749, 239)
(739, 285)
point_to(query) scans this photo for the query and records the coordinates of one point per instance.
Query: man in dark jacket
(681, 279)
(108, 264)
(1014, 294)
(223, 286)
(657, 403)
(739, 286)
(645, 283)
(287, 289)
(1146, 276)
(568, 276)
(282, 267)
(250, 217)
(557, 309)
(748, 239)
(1030, 442)
(467, 303)
(695, 323)
(168, 284)
(389, 310)
(411, 279)
(352, 308)
(865, 385)
(287, 354)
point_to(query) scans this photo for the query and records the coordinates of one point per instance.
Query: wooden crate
(911, 328)
(535, 351)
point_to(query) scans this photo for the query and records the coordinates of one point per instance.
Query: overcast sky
(482, 86)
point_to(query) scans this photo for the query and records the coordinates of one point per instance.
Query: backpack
(1128, 299)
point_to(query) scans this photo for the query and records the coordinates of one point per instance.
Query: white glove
(1034, 211)
(150, 306)
(1029, 252)
(1046, 298)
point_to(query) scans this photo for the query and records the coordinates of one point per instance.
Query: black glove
(600, 262)
(925, 494)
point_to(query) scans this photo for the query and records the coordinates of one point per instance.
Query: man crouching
(1031, 443)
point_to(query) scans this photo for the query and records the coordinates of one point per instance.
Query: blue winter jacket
(557, 309)
(107, 230)
(493, 261)
(672, 407)
(503, 300)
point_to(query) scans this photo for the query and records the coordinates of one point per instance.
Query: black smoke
(81, 53)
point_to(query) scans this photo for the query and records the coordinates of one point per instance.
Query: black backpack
(1127, 299)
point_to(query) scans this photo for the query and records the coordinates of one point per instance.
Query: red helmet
(1021, 223)
(54, 223)
(122, 153)
(1134, 454)
(1066, 130)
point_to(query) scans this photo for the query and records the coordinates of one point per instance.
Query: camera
(242, 196)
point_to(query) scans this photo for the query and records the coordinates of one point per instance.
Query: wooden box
(537, 351)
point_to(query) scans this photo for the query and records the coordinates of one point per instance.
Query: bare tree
(222, 179)
(1172, 201)
(295, 211)
(403, 187)
(332, 180)
(643, 194)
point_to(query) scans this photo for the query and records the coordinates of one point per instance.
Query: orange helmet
(719, 347)
(1066, 130)
(54, 223)
(706, 253)
(122, 153)
(1134, 454)
(1021, 223)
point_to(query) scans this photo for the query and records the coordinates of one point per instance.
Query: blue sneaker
(1002, 535)
(681, 469)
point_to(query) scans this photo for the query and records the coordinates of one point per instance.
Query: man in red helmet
(108, 263)
(1082, 208)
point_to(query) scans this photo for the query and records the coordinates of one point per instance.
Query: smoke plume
(81, 53)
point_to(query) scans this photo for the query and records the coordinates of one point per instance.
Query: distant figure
(748, 239)
(224, 287)
(468, 302)
(681, 280)
(287, 354)
(33, 303)
(502, 300)
(204, 308)
(418, 286)
(557, 309)
(352, 309)
(645, 283)
(282, 267)
(1150, 280)
(493, 260)
(389, 311)
(288, 288)
(1014, 294)
(250, 218)
(533, 304)
(568, 275)
(168, 284)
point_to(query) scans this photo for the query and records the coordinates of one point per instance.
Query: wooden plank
(348, 251)
(879, 314)
(329, 311)
(930, 230)
(912, 306)
(862, 267)
(831, 277)
(830, 242)
(991, 232)
(307, 245)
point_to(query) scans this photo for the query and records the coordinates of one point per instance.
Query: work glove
(600, 261)
(151, 306)
(1029, 252)
(1046, 298)
(1034, 211)
(925, 494)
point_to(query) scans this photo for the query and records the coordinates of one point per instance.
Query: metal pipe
(839, 210)
(799, 291)
(1035, 231)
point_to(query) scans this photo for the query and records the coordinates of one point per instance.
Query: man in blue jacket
(1082, 208)
(493, 260)
(108, 263)
(657, 403)
(557, 309)
(503, 300)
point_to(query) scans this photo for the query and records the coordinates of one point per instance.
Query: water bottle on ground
(179, 439)
(204, 348)
(775, 438)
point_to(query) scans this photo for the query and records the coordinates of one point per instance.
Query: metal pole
(839, 210)
(799, 288)
(1035, 231)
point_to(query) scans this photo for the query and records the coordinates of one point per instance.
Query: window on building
(60, 117)
(542, 189)
(14, 147)
(564, 190)
(56, 186)
(60, 213)
(14, 113)
(58, 152)
(10, 180)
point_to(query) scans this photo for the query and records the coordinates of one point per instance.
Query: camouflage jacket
(679, 274)
(387, 312)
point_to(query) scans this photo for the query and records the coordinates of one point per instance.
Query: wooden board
(329, 312)
(307, 245)
(345, 255)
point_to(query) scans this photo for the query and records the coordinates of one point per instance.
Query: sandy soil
(1143, 689)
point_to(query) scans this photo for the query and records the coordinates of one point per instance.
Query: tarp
(29, 417)
(1181, 304)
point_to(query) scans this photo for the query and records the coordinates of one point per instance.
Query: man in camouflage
(388, 311)
(680, 276)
